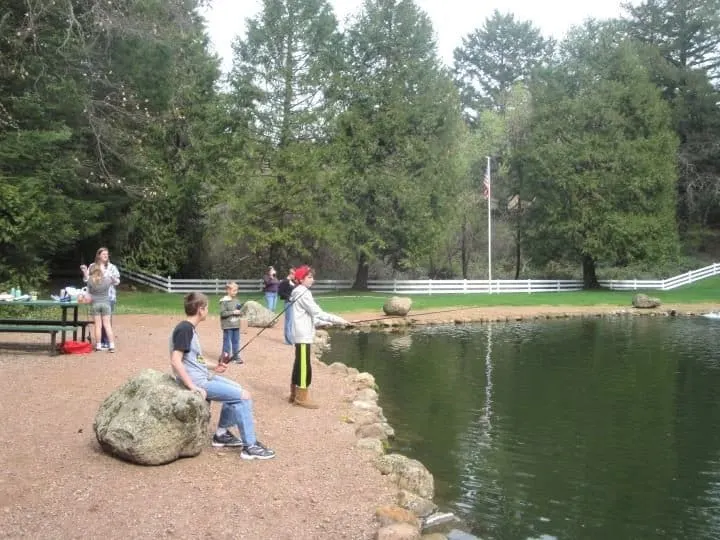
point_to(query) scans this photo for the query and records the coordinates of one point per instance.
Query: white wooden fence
(214, 286)
(424, 286)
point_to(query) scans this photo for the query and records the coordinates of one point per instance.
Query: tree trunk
(590, 280)
(464, 256)
(361, 276)
(275, 258)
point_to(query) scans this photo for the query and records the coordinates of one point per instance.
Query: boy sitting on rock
(192, 370)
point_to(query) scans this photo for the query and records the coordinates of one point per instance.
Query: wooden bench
(33, 328)
(37, 322)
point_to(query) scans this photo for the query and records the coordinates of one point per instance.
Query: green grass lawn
(705, 291)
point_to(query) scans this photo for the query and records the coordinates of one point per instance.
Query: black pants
(302, 368)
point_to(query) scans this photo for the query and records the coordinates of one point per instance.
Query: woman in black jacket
(270, 288)
(284, 291)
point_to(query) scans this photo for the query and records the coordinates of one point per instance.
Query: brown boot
(293, 393)
(302, 399)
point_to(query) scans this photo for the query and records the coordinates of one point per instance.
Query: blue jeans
(235, 410)
(271, 300)
(288, 324)
(103, 338)
(231, 340)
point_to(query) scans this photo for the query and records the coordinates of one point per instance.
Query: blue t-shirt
(185, 339)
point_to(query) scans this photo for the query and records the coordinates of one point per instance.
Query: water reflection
(400, 344)
(590, 428)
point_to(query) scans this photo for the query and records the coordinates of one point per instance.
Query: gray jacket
(305, 313)
(228, 317)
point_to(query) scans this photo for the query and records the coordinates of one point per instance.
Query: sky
(451, 19)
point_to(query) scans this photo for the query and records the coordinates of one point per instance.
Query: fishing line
(386, 317)
(352, 323)
(272, 321)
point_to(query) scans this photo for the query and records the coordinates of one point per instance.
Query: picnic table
(68, 322)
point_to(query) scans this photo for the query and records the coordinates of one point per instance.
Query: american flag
(486, 186)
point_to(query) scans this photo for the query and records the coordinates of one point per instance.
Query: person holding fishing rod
(193, 371)
(305, 313)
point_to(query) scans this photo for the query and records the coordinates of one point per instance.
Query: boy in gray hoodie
(230, 324)
(305, 313)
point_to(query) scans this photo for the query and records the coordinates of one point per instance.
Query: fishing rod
(268, 325)
(352, 323)
(384, 318)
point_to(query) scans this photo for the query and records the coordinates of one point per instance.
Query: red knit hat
(301, 272)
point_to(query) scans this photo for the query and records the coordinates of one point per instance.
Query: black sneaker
(257, 451)
(228, 439)
(236, 359)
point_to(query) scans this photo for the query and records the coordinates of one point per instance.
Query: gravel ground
(55, 482)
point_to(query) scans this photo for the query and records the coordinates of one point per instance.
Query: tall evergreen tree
(165, 225)
(279, 75)
(494, 57)
(683, 55)
(399, 135)
(494, 62)
(687, 32)
(88, 102)
(600, 162)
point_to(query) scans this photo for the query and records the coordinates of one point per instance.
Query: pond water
(580, 428)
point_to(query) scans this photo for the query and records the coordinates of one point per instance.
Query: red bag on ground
(76, 347)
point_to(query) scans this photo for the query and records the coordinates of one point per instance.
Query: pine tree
(600, 162)
(496, 56)
(398, 137)
(280, 71)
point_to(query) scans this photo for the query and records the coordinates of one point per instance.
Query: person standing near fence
(305, 313)
(102, 260)
(285, 289)
(270, 288)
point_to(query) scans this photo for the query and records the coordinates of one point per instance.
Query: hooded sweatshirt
(306, 313)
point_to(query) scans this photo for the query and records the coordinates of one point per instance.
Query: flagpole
(489, 197)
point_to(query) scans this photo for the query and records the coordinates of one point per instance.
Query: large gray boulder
(152, 420)
(415, 503)
(321, 343)
(409, 474)
(396, 305)
(258, 315)
(643, 301)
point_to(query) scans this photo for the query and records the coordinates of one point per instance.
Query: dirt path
(56, 483)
